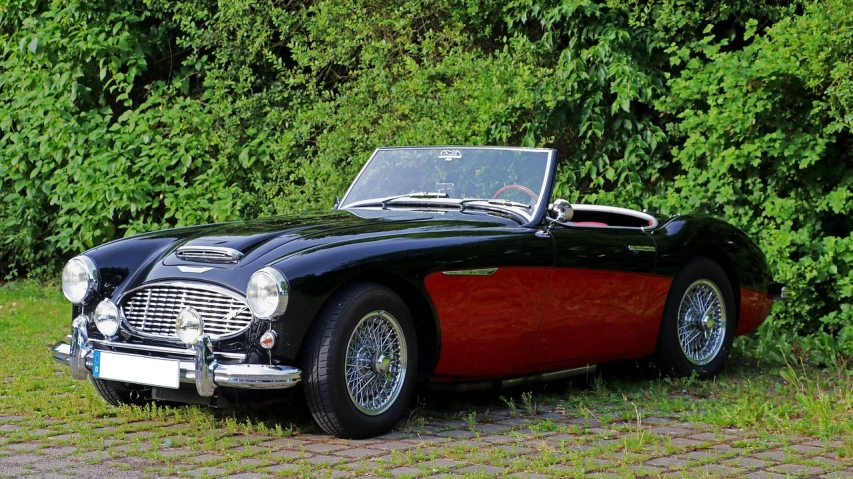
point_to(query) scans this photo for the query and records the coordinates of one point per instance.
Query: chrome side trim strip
(163, 349)
(636, 247)
(471, 272)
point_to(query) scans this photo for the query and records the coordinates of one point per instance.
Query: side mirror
(561, 211)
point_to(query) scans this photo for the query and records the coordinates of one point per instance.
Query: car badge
(448, 155)
(194, 269)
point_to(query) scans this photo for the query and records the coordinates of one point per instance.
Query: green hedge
(136, 115)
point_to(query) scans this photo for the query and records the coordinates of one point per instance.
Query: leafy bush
(114, 121)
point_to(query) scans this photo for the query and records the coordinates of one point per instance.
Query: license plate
(136, 369)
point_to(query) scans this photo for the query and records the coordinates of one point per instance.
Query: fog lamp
(189, 326)
(268, 339)
(106, 318)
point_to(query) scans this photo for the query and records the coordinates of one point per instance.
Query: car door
(596, 305)
(490, 303)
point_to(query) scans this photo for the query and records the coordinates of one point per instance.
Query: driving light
(266, 293)
(79, 279)
(106, 318)
(189, 326)
(268, 339)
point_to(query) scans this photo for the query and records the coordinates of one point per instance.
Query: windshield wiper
(384, 201)
(494, 202)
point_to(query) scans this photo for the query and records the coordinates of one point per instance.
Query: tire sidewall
(354, 420)
(670, 353)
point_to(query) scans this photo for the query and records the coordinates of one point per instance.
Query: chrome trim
(80, 349)
(209, 254)
(180, 284)
(471, 272)
(163, 349)
(637, 247)
(194, 269)
(92, 274)
(283, 290)
(784, 294)
(204, 365)
(204, 371)
(619, 211)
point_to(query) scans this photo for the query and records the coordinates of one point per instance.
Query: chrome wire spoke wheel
(701, 322)
(375, 362)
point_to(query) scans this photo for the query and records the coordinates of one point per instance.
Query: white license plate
(136, 369)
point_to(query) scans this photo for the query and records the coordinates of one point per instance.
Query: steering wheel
(520, 188)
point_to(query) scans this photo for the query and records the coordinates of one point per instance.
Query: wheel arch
(717, 255)
(423, 313)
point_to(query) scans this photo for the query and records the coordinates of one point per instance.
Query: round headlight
(267, 293)
(79, 279)
(106, 318)
(189, 326)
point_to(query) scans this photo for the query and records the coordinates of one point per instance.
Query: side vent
(209, 254)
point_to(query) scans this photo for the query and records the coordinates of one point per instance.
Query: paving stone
(287, 442)
(765, 475)
(667, 461)
(358, 453)
(492, 428)
(287, 455)
(465, 444)
(838, 475)
(440, 464)
(797, 469)
(684, 442)
(393, 446)
(824, 443)
(206, 471)
(806, 449)
(711, 437)
(457, 433)
(827, 462)
(394, 435)
(719, 470)
(645, 470)
(481, 469)
(245, 475)
(500, 439)
(748, 462)
(775, 455)
(280, 468)
(323, 448)
(405, 471)
(670, 431)
(324, 459)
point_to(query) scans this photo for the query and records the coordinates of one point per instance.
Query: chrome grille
(153, 310)
(208, 254)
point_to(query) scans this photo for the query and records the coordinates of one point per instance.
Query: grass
(620, 420)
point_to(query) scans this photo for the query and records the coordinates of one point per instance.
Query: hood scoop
(209, 254)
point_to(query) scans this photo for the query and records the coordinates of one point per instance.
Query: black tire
(112, 392)
(324, 361)
(671, 357)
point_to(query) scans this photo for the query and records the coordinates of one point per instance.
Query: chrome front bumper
(203, 370)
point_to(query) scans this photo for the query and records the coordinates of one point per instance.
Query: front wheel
(699, 321)
(360, 362)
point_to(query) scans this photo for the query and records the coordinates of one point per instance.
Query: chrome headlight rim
(281, 287)
(92, 277)
(107, 318)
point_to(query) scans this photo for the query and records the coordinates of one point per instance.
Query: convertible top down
(441, 264)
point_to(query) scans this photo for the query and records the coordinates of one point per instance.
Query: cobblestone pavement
(493, 444)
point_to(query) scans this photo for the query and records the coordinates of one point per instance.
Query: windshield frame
(533, 218)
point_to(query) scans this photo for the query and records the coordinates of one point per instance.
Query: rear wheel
(699, 321)
(360, 362)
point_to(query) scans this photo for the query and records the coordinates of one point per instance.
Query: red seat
(588, 223)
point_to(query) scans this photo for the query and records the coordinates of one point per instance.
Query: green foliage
(137, 115)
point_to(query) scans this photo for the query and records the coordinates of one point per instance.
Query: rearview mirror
(561, 211)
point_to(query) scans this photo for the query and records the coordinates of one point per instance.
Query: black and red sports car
(449, 265)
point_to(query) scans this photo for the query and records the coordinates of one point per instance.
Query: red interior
(588, 223)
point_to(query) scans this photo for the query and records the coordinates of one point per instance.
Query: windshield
(508, 177)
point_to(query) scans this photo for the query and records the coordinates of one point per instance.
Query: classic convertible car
(447, 265)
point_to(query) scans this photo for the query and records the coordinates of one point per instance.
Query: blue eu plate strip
(96, 364)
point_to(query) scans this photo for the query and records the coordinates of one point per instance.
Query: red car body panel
(754, 308)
